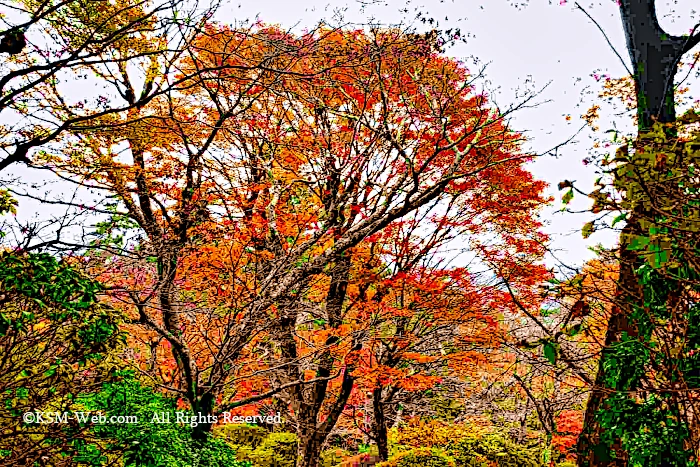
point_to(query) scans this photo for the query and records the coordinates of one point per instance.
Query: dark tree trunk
(308, 401)
(380, 431)
(310, 449)
(204, 408)
(310, 432)
(655, 56)
(590, 452)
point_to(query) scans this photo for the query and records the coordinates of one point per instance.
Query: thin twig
(606, 37)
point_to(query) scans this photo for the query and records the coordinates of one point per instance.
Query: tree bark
(655, 55)
(310, 445)
(310, 440)
(204, 408)
(590, 452)
(380, 431)
(312, 434)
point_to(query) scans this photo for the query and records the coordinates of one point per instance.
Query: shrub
(333, 457)
(420, 457)
(276, 450)
(418, 433)
(468, 445)
(493, 447)
(145, 444)
(245, 435)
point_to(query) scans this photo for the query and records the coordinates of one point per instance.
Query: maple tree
(348, 205)
(433, 325)
(256, 189)
(55, 343)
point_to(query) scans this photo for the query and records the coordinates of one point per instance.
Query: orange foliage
(293, 196)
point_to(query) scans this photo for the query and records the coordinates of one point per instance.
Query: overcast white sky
(527, 46)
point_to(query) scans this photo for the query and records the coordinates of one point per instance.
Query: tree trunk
(379, 422)
(655, 56)
(309, 453)
(308, 401)
(311, 440)
(310, 432)
(590, 452)
(203, 409)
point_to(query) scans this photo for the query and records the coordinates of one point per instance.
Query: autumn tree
(55, 329)
(170, 191)
(254, 187)
(225, 63)
(433, 325)
(381, 145)
(52, 47)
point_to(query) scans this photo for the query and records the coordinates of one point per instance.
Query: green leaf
(551, 350)
(573, 330)
(658, 259)
(568, 196)
(588, 229)
(619, 218)
(638, 243)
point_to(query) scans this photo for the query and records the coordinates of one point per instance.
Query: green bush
(493, 447)
(420, 457)
(216, 453)
(245, 435)
(276, 450)
(145, 444)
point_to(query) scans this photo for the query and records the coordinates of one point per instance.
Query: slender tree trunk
(308, 401)
(379, 422)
